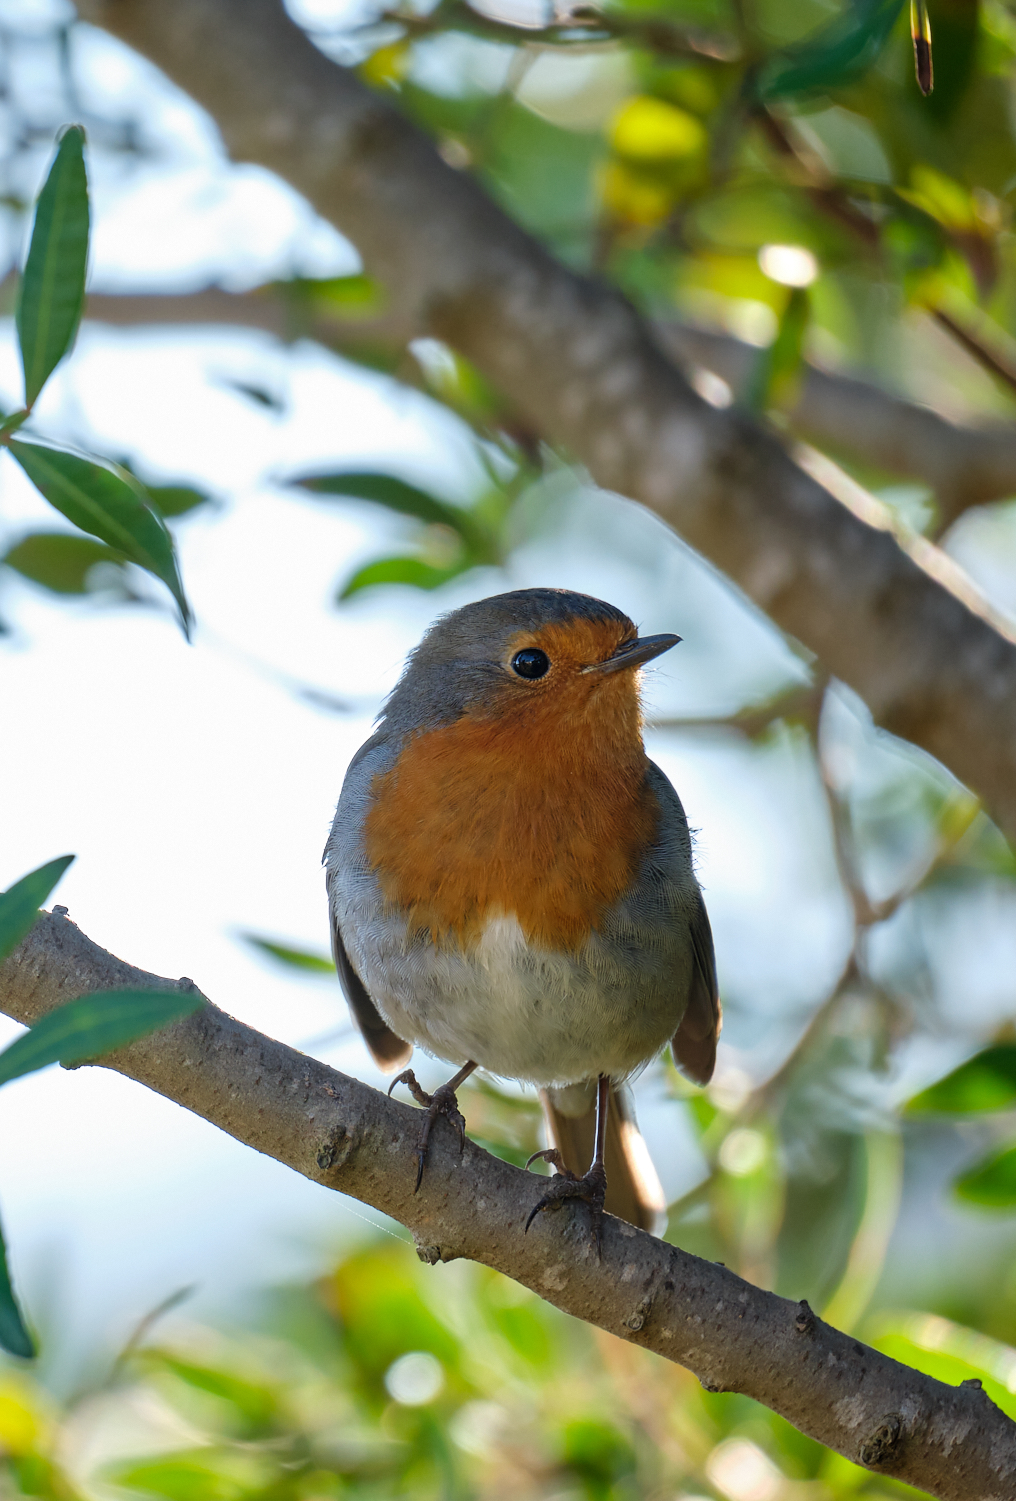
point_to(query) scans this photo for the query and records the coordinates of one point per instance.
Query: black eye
(531, 662)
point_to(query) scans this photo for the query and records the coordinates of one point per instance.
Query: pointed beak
(633, 654)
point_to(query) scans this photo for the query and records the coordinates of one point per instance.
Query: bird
(510, 885)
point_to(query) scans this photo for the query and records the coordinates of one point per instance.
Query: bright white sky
(197, 790)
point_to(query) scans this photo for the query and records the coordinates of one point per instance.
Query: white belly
(520, 1012)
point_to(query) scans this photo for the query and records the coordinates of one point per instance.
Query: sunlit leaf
(255, 1404)
(53, 281)
(411, 571)
(648, 129)
(985, 1082)
(992, 1182)
(106, 505)
(20, 902)
(59, 561)
(14, 1337)
(295, 958)
(94, 1025)
(836, 54)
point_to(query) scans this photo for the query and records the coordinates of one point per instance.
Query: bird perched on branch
(511, 888)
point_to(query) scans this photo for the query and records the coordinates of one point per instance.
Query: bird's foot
(564, 1185)
(441, 1102)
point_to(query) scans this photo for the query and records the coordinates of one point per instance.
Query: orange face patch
(533, 804)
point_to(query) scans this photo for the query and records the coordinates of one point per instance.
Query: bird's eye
(531, 663)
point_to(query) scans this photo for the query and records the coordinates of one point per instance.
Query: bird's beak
(633, 654)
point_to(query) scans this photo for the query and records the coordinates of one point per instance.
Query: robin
(511, 888)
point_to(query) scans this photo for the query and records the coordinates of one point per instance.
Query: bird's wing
(694, 1042)
(388, 1051)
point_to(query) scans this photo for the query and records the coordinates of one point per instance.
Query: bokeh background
(213, 1327)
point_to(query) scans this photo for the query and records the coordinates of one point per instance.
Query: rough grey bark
(964, 466)
(588, 373)
(949, 1441)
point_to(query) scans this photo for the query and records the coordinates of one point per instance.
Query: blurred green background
(765, 170)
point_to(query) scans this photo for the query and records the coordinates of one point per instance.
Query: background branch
(950, 1441)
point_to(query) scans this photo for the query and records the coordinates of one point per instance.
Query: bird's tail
(634, 1192)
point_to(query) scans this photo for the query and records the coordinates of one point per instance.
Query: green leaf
(776, 368)
(20, 903)
(176, 500)
(412, 571)
(94, 1025)
(14, 1337)
(835, 54)
(385, 490)
(102, 502)
(992, 1183)
(985, 1082)
(59, 561)
(295, 958)
(53, 282)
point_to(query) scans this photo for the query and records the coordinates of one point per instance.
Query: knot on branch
(804, 1321)
(881, 1442)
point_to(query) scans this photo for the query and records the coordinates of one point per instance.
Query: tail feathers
(634, 1192)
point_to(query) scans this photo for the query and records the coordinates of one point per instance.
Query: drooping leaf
(103, 503)
(777, 367)
(53, 282)
(59, 561)
(412, 571)
(94, 1025)
(992, 1182)
(836, 54)
(14, 1337)
(254, 1404)
(20, 902)
(293, 957)
(985, 1082)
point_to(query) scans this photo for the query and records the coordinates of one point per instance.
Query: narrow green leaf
(385, 490)
(20, 902)
(992, 1183)
(985, 1082)
(412, 571)
(94, 1025)
(835, 54)
(105, 504)
(14, 1337)
(59, 561)
(53, 282)
(777, 367)
(285, 953)
(13, 422)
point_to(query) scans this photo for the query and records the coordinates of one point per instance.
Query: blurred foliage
(391, 1379)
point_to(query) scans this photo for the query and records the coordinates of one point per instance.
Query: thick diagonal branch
(949, 1441)
(574, 357)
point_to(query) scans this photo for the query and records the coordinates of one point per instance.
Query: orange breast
(539, 809)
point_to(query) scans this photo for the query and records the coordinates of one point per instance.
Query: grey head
(463, 658)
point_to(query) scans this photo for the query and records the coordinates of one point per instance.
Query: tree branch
(585, 370)
(952, 1442)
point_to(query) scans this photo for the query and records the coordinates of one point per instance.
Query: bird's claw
(591, 1189)
(441, 1102)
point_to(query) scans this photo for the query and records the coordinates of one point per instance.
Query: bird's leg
(441, 1102)
(593, 1186)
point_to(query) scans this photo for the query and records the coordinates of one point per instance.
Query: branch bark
(952, 1442)
(586, 371)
